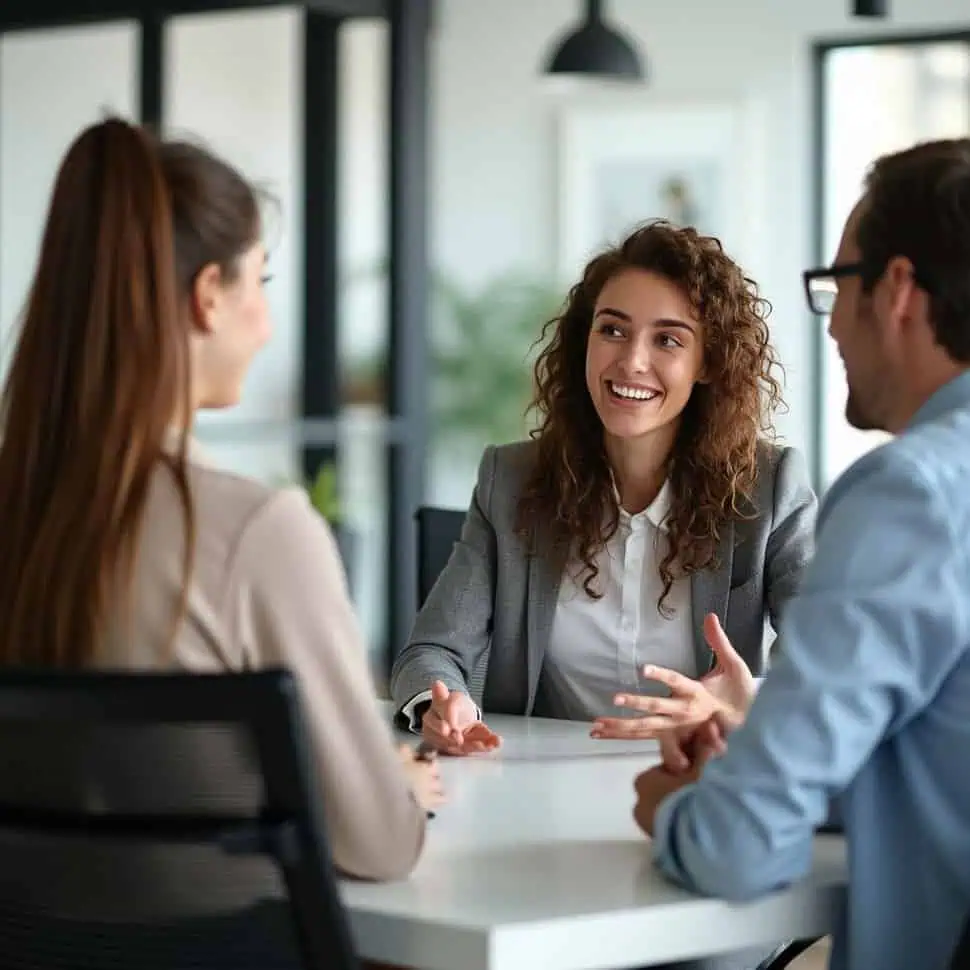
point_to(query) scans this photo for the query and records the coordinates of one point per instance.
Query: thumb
(727, 722)
(439, 692)
(718, 641)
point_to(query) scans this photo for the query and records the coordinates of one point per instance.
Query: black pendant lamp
(595, 50)
(870, 8)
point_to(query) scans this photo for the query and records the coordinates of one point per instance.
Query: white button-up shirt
(598, 647)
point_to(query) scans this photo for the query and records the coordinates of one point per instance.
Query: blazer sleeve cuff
(408, 711)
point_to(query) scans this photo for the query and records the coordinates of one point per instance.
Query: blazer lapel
(545, 576)
(709, 593)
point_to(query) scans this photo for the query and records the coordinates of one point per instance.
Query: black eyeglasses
(822, 287)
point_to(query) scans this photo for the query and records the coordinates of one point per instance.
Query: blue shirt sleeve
(880, 621)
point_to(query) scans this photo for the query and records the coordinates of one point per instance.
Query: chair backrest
(161, 820)
(961, 955)
(438, 531)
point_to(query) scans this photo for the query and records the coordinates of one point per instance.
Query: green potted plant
(324, 494)
(482, 351)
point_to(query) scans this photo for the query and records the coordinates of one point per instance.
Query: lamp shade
(595, 50)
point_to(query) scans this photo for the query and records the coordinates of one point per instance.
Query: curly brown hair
(713, 465)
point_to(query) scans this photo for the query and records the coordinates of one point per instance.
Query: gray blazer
(495, 600)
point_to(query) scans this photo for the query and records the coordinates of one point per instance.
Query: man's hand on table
(683, 749)
(684, 753)
(452, 726)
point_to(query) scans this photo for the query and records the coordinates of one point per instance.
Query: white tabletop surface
(535, 863)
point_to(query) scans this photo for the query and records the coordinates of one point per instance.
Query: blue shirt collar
(952, 395)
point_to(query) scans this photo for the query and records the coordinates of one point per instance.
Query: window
(874, 97)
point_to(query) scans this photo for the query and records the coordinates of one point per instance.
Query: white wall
(494, 133)
(52, 84)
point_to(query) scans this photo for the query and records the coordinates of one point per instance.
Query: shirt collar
(656, 512)
(952, 395)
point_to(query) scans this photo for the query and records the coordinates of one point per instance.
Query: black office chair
(961, 955)
(959, 961)
(788, 953)
(438, 531)
(162, 822)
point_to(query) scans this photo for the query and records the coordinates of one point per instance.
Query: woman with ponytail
(123, 547)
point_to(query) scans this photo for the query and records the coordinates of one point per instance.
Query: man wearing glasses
(868, 705)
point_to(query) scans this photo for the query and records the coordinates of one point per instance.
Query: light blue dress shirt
(868, 704)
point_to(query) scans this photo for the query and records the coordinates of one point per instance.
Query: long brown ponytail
(100, 370)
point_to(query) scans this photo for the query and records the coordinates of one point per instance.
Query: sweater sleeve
(289, 607)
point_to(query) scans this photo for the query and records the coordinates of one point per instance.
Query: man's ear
(900, 290)
(206, 298)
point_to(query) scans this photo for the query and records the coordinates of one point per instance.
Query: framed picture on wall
(621, 164)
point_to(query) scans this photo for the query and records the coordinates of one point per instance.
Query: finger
(480, 745)
(635, 728)
(677, 682)
(672, 753)
(709, 743)
(452, 750)
(676, 708)
(462, 744)
(728, 720)
(719, 643)
(708, 739)
(439, 693)
(455, 714)
(478, 731)
(710, 731)
(481, 732)
(434, 730)
(703, 755)
(425, 752)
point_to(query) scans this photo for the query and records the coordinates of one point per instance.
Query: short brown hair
(917, 205)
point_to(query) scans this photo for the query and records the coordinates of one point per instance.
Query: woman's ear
(206, 298)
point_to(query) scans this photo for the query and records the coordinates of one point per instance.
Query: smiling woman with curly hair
(708, 435)
(620, 567)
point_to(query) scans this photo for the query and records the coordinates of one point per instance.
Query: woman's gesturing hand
(728, 688)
